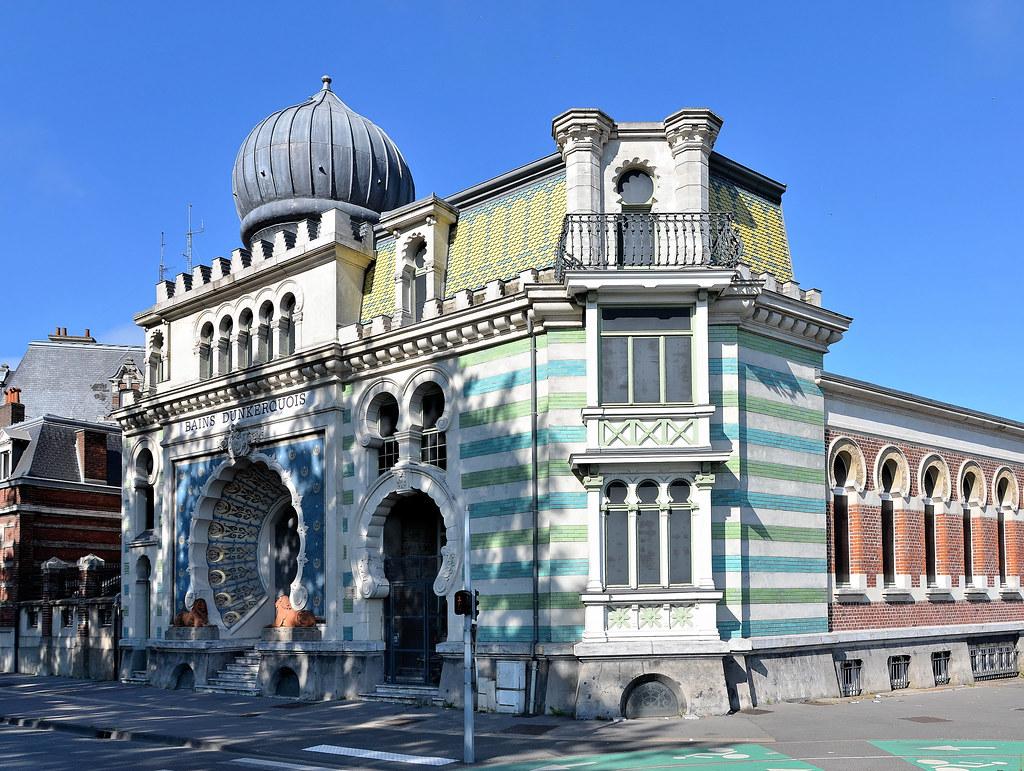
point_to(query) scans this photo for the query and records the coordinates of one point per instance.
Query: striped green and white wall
(495, 473)
(768, 510)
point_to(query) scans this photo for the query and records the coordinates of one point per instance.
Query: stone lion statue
(288, 616)
(197, 617)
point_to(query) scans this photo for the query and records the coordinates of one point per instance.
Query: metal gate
(415, 621)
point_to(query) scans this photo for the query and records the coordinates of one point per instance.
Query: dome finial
(327, 83)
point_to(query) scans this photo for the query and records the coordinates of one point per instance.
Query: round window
(635, 187)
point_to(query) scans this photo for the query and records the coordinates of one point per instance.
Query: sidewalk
(281, 729)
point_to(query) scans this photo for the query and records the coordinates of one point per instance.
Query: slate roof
(49, 450)
(517, 229)
(70, 379)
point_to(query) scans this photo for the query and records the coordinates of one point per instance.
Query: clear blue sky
(896, 126)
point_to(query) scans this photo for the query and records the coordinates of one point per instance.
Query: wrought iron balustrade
(662, 240)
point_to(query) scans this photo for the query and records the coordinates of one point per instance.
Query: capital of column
(704, 481)
(692, 129)
(585, 129)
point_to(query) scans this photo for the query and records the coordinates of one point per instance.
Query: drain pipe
(535, 510)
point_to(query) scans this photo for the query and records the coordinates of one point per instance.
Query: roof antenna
(163, 266)
(187, 254)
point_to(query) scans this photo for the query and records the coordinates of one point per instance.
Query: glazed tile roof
(519, 229)
(760, 224)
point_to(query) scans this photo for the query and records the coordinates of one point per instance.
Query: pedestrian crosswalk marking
(395, 757)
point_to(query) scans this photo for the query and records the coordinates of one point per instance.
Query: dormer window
(414, 282)
(5, 464)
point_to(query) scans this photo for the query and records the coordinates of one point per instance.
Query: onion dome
(312, 157)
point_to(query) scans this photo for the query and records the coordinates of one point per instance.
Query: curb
(96, 732)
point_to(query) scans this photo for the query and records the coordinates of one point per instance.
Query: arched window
(680, 527)
(225, 356)
(929, 487)
(970, 487)
(433, 446)
(155, 368)
(287, 325)
(841, 519)
(245, 339)
(1006, 498)
(616, 535)
(265, 333)
(415, 276)
(387, 424)
(145, 510)
(206, 352)
(648, 535)
(888, 474)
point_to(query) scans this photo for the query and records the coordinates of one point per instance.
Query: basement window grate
(940, 667)
(899, 672)
(849, 677)
(994, 660)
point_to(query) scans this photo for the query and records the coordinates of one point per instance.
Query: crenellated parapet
(331, 227)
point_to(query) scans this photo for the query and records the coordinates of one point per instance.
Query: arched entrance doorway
(252, 531)
(415, 617)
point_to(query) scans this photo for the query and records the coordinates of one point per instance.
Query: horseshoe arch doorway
(415, 618)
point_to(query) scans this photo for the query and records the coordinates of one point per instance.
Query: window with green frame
(646, 355)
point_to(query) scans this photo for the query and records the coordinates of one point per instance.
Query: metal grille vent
(940, 667)
(849, 677)
(993, 660)
(899, 672)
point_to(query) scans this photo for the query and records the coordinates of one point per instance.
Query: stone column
(581, 135)
(691, 135)
(700, 535)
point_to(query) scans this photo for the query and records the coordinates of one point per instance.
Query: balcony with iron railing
(628, 241)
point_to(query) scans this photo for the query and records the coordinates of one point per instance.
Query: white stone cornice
(309, 368)
(748, 304)
(378, 347)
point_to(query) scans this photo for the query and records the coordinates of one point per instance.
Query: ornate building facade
(602, 361)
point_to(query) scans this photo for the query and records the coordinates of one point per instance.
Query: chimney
(12, 410)
(61, 336)
(92, 455)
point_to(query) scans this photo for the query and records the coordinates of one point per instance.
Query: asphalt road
(951, 729)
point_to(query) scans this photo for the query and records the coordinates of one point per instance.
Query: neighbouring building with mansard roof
(600, 361)
(60, 504)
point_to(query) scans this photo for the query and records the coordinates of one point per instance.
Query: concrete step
(242, 670)
(231, 677)
(136, 678)
(228, 691)
(404, 694)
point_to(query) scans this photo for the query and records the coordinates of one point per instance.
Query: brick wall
(865, 535)
(92, 455)
(878, 615)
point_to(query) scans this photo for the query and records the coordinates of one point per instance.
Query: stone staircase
(418, 695)
(239, 678)
(137, 677)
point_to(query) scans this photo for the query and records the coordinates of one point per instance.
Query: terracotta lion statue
(288, 616)
(198, 616)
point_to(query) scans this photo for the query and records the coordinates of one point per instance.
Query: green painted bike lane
(958, 756)
(741, 757)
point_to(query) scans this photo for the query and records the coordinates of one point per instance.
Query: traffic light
(467, 604)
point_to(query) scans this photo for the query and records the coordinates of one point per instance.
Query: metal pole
(467, 652)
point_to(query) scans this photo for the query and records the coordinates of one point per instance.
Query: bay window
(646, 355)
(648, 534)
